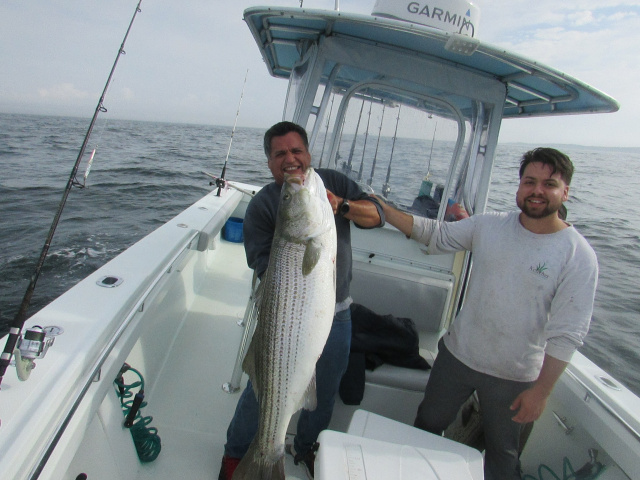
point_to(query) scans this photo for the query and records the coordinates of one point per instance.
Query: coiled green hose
(145, 439)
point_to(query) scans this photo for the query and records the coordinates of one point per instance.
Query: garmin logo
(462, 23)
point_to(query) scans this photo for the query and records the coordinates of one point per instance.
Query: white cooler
(377, 448)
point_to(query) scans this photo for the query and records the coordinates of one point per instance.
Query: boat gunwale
(183, 238)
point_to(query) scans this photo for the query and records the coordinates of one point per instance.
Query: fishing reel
(32, 345)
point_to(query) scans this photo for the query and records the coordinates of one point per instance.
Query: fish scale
(297, 301)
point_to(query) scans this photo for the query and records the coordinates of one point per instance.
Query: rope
(587, 472)
(145, 439)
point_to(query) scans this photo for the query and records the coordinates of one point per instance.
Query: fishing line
(15, 328)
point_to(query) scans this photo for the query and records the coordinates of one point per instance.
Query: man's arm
(530, 403)
(362, 212)
(401, 220)
(258, 228)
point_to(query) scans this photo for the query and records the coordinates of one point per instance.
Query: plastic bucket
(233, 230)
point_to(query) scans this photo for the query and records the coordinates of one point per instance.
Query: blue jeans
(450, 384)
(329, 370)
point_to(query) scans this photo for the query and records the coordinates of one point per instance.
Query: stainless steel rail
(603, 403)
(249, 320)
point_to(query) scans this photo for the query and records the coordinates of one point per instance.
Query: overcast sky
(186, 60)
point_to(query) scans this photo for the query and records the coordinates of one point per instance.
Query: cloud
(581, 18)
(186, 61)
(620, 16)
(62, 92)
(127, 93)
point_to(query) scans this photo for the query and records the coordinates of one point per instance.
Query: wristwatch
(344, 208)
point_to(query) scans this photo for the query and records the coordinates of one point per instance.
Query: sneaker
(306, 459)
(228, 466)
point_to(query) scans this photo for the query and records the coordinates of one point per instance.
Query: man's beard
(549, 209)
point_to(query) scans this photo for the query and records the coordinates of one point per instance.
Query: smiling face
(288, 155)
(541, 192)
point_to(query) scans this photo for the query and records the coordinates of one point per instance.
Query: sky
(186, 61)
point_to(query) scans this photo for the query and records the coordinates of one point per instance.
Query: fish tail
(254, 466)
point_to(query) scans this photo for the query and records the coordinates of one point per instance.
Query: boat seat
(400, 377)
(423, 297)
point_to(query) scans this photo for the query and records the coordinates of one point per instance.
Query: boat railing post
(249, 321)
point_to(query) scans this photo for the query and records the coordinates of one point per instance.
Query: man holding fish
(298, 240)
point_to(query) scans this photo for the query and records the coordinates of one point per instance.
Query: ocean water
(144, 173)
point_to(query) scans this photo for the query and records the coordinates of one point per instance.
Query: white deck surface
(189, 407)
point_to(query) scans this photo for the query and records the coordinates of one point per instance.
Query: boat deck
(188, 405)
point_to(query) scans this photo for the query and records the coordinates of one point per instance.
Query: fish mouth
(298, 178)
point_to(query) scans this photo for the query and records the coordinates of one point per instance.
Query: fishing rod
(355, 138)
(427, 185)
(229, 184)
(326, 132)
(338, 157)
(221, 182)
(364, 147)
(375, 155)
(386, 188)
(19, 320)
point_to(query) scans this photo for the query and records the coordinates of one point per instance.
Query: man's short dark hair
(281, 129)
(558, 161)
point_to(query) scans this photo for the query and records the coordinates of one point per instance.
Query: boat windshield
(395, 139)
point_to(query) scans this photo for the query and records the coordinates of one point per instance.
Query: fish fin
(257, 294)
(310, 399)
(249, 365)
(254, 466)
(311, 256)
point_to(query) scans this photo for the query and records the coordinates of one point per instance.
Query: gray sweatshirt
(528, 294)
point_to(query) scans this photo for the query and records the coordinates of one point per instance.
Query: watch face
(344, 208)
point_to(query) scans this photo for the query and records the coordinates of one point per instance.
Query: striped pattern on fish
(297, 302)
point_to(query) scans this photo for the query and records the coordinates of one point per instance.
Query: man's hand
(530, 405)
(335, 201)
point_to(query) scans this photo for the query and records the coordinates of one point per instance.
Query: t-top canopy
(533, 89)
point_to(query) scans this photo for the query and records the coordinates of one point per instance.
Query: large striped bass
(296, 306)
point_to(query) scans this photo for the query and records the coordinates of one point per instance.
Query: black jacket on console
(378, 339)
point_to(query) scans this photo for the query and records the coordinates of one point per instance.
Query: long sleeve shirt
(528, 294)
(260, 222)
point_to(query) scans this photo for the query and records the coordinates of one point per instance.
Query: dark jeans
(450, 384)
(329, 370)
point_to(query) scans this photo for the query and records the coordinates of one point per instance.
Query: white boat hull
(175, 318)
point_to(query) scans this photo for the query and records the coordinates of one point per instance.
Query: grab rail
(249, 320)
(603, 403)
